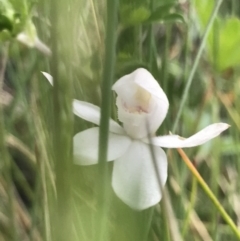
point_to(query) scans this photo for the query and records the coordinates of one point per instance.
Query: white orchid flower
(30, 38)
(140, 99)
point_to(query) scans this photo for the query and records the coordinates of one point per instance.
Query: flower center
(140, 102)
(143, 98)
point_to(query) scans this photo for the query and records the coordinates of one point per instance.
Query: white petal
(27, 39)
(85, 146)
(92, 113)
(143, 78)
(175, 141)
(140, 99)
(134, 178)
(48, 77)
(158, 114)
(89, 112)
(42, 47)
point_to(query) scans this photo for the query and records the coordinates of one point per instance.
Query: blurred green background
(43, 195)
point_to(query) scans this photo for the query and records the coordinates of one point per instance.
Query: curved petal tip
(201, 137)
(48, 77)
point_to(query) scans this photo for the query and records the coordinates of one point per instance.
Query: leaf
(203, 10)
(131, 17)
(229, 44)
(5, 23)
(161, 11)
(173, 17)
(126, 66)
(224, 37)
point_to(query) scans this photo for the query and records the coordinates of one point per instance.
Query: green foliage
(139, 13)
(13, 18)
(5, 23)
(161, 11)
(223, 41)
(164, 13)
(203, 9)
(144, 39)
(226, 37)
(131, 17)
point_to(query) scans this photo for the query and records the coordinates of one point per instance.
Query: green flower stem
(196, 62)
(107, 81)
(168, 213)
(210, 194)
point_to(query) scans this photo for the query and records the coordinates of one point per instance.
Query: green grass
(43, 195)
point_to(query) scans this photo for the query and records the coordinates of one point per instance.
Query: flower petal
(42, 47)
(92, 113)
(89, 112)
(175, 141)
(134, 178)
(143, 78)
(85, 146)
(48, 77)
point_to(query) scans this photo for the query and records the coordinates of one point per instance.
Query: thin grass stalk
(37, 202)
(148, 224)
(140, 33)
(187, 43)
(3, 149)
(165, 64)
(62, 129)
(15, 143)
(195, 64)
(42, 158)
(185, 73)
(171, 225)
(168, 214)
(190, 207)
(22, 182)
(96, 22)
(234, 114)
(167, 208)
(107, 81)
(215, 168)
(150, 40)
(209, 193)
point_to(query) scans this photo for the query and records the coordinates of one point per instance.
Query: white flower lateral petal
(92, 113)
(201, 137)
(88, 111)
(85, 146)
(140, 100)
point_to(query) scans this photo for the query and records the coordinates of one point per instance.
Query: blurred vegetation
(43, 195)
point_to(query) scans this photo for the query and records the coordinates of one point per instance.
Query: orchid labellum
(140, 100)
